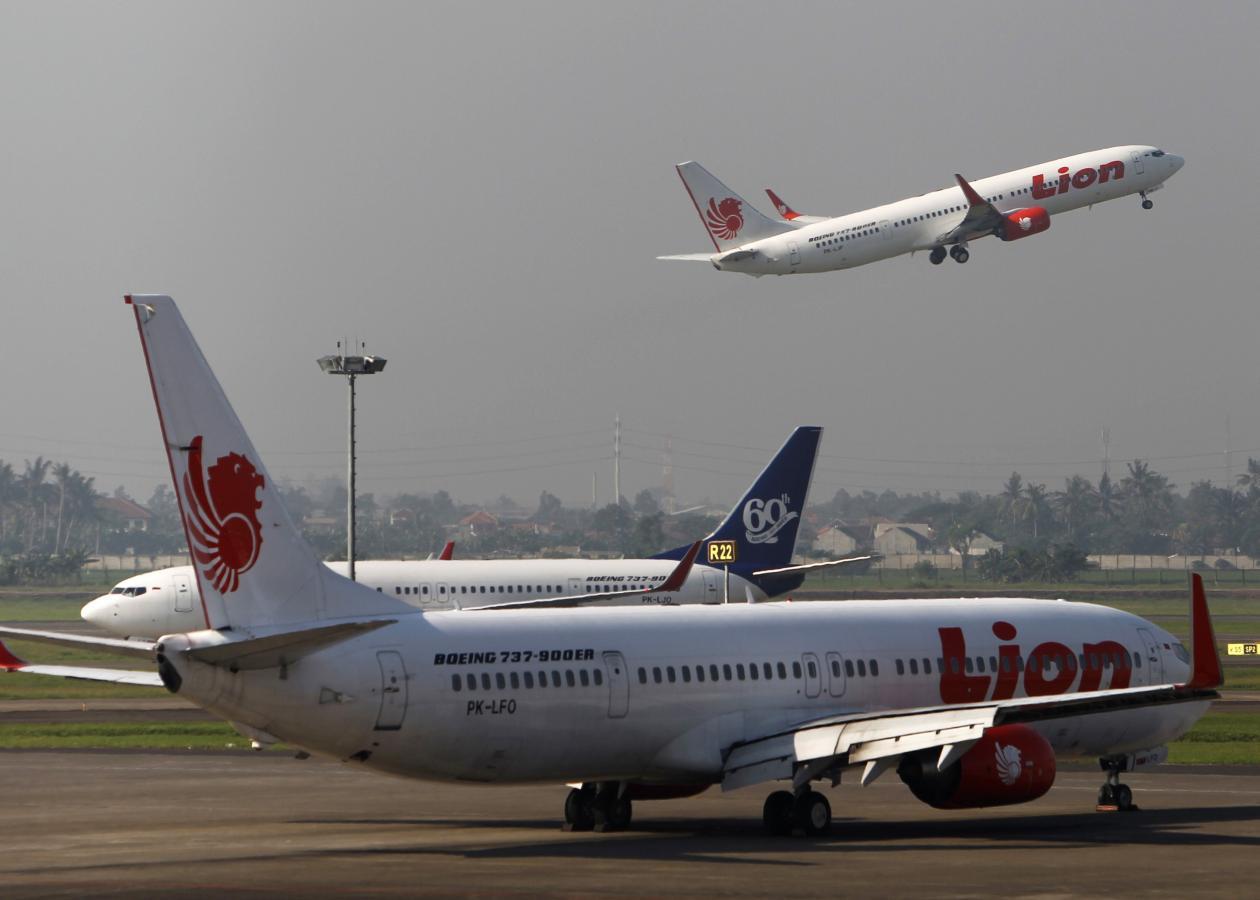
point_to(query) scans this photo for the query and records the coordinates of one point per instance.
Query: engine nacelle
(1009, 764)
(1023, 222)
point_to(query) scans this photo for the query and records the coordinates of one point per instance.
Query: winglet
(782, 208)
(970, 193)
(1205, 672)
(8, 661)
(448, 551)
(676, 578)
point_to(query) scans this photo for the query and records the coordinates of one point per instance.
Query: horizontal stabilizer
(690, 257)
(136, 649)
(812, 567)
(11, 663)
(283, 648)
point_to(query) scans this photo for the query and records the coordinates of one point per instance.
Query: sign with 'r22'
(722, 552)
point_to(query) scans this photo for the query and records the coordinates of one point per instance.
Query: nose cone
(100, 611)
(1175, 161)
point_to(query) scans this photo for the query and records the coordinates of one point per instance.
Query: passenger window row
(422, 590)
(715, 672)
(515, 681)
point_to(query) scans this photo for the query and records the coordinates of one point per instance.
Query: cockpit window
(119, 590)
(1180, 652)
(1158, 153)
(129, 591)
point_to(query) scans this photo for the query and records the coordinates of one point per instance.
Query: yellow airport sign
(1250, 648)
(721, 553)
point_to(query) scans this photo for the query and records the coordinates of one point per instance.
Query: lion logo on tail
(724, 219)
(223, 516)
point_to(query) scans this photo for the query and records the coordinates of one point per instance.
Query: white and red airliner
(968, 701)
(1010, 206)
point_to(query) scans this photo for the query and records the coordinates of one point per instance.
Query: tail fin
(763, 525)
(253, 566)
(730, 219)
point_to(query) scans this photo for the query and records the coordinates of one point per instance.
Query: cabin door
(393, 691)
(618, 685)
(1154, 662)
(183, 594)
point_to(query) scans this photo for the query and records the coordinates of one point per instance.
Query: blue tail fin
(760, 532)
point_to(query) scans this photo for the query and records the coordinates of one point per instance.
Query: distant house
(901, 539)
(319, 524)
(133, 516)
(479, 522)
(838, 539)
(399, 518)
(981, 544)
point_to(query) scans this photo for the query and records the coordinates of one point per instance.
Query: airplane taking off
(755, 543)
(1011, 206)
(968, 701)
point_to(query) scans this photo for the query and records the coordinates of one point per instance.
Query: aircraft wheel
(937, 256)
(812, 813)
(1107, 795)
(1124, 797)
(579, 812)
(961, 255)
(777, 813)
(615, 816)
(1148, 204)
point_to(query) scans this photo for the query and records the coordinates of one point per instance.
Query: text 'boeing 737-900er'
(1011, 206)
(968, 701)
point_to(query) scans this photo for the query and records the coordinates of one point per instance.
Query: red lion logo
(224, 526)
(724, 219)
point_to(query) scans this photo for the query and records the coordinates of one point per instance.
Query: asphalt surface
(267, 825)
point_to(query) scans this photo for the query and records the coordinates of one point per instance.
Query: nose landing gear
(1114, 796)
(1147, 203)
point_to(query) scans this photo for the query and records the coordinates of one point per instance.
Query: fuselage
(167, 601)
(922, 222)
(661, 694)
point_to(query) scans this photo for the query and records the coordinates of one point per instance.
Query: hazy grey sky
(479, 192)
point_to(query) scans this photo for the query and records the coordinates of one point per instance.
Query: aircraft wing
(982, 217)
(11, 663)
(879, 739)
(670, 585)
(817, 566)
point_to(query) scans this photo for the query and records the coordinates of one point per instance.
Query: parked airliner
(968, 701)
(1011, 206)
(754, 546)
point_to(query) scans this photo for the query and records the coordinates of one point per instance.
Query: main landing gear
(1113, 795)
(604, 806)
(958, 252)
(1147, 203)
(807, 811)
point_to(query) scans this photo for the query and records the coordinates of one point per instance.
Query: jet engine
(1023, 222)
(1009, 764)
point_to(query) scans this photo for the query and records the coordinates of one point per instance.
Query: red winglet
(448, 551)
(969, 192)
(783, 209)
(676, 578)
(1206, 662)
(8, 661)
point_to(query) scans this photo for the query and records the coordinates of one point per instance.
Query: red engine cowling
(1010, 764)
(1023, 222)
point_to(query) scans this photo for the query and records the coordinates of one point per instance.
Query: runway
(266, 825)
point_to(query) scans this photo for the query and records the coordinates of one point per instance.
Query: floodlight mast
(351, 367)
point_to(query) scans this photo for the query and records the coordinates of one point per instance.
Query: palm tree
(1250, 480)
(1012, 495)
(1147, 495)
(62, 473)
(32, 487)
(1075, 502)
(1108, 499)
(8, 493)
(1035, 504)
